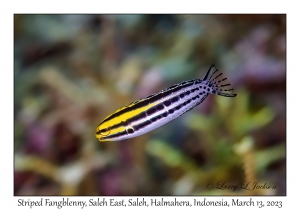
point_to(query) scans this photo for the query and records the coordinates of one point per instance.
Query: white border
(8, 8)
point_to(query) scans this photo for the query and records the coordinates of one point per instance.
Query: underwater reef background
(71, 71)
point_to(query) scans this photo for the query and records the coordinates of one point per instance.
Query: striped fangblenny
(160, 108)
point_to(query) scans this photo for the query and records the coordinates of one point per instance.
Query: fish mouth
(103, 140)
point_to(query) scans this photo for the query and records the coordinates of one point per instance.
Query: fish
(155, 110)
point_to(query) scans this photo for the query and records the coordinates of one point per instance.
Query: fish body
(153, 111)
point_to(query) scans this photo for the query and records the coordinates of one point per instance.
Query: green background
(71, 71)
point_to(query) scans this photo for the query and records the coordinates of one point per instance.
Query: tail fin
(215, 84)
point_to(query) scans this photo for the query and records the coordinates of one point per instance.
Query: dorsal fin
(208, 72)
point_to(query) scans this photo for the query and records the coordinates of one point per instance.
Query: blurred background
(71, 71)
